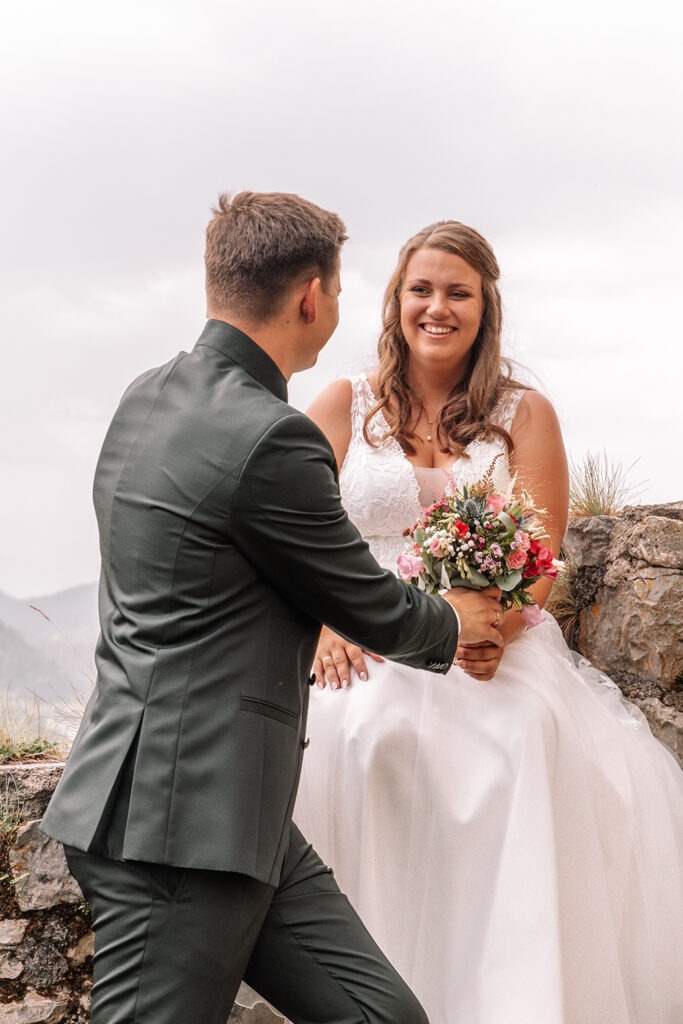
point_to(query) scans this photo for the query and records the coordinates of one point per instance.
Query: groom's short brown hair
(258, 244)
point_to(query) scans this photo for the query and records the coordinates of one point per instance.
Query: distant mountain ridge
(49, 651)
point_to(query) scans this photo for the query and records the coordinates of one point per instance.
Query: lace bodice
(379, 488)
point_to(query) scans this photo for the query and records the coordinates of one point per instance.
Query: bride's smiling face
(441, 308)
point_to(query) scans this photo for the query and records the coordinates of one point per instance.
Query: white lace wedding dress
(516, 847)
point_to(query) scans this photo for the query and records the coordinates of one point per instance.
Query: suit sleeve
(288, 521)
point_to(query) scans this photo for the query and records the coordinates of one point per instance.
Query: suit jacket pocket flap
(270, 710)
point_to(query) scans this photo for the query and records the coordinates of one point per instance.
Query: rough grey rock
(666, 723)
(28, 787)
(44, 964)
(648, 532)
(587, 540)
(84, 948)
(633, 625)
(10, 966)
(38, 867)
(11, 934)
(659, 542)
(12, 931)
(251, 1008)
(671, 510)
(586, 583)
(34, 1009)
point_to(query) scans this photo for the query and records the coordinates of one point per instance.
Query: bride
(511, 833)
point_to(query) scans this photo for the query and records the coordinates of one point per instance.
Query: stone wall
(46, 944)
(628, 587)
(629, 590)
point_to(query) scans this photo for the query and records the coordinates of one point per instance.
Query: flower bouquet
(475, 537)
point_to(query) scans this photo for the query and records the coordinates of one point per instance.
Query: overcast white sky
(553, 129)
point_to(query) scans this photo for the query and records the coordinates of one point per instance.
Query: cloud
(549, 129)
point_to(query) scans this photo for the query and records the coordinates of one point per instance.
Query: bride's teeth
(437, 330)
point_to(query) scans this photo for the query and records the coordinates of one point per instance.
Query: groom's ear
(308, 305)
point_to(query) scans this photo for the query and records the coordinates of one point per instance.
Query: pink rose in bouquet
(409, 566)
(495, 503)
(521, 540)
(441, 546)
(516, 559)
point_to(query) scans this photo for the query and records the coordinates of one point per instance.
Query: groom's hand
(479, 612)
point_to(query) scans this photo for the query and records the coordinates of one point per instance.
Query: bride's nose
(438, 307)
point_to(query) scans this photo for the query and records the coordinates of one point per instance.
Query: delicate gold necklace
(430, 423)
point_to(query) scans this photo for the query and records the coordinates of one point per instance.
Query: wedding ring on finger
(327, 658)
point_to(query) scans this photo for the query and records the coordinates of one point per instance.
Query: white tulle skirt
(515, 847)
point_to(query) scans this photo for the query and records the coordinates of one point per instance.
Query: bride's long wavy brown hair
(466, 414)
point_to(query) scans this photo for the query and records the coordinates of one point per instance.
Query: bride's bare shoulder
(331, 411)
(534, 411)
(334, 399)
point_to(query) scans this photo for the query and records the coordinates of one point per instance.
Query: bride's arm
(331, 411)
(539, 460)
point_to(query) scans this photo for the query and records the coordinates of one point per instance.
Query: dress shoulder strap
(362, 402)
(506, 407)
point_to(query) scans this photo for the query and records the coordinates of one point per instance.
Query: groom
(224, 546)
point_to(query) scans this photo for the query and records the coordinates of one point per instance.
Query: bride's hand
(480, 661)
(334, 659)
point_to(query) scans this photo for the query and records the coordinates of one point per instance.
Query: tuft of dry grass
(41, 729)
(65, 713)
(598, 487)
(563, 606)
(23, 737)
(10, 818)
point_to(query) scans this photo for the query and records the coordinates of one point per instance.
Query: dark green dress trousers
(173, 944)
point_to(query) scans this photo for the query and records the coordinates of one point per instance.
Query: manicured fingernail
(335, 685)
(321, 685)
(364, 676)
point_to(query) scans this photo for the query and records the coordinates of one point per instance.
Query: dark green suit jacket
(224, 546)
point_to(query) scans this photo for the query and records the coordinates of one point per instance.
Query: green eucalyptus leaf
(467, 584)
(509, 581)
(507, 522)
